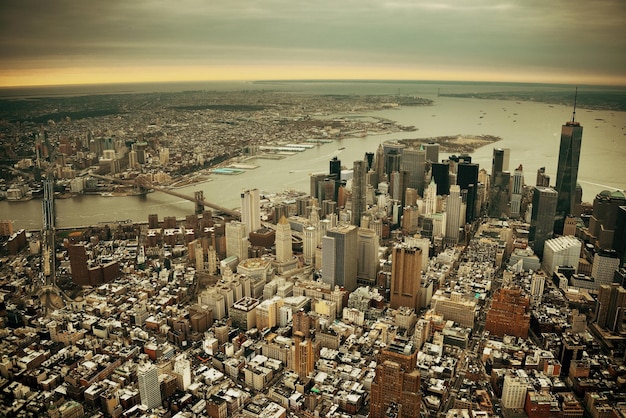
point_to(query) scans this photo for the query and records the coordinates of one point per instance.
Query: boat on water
(341, 149)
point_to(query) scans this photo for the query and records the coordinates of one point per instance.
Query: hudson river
(531, 130)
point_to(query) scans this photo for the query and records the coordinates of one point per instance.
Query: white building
(149, 388)
(251, 210)
(561, 251)
(514, 391)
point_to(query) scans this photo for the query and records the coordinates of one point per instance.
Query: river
(531, 130)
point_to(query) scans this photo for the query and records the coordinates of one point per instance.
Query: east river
(531, 131)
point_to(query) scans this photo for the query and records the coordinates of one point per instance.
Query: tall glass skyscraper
(567, 171)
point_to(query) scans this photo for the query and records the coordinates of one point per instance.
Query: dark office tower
(414, 162)
(78, 264)
(369, 159)
(441, 175)
(379, 165)
(392, 162)
(499, 194)
(499, 161)
(153, 221)
(339, 255)
(542, 178)
(359, 191)
(611, 305)
(567, 170)
(467, 179)
(335, 168)
(603, 221)
(432, 152)
(542, 217)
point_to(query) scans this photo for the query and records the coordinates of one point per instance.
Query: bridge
(144, 183)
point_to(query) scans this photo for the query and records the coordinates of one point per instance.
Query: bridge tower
(199, 199)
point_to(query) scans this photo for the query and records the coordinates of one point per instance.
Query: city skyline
(70, 42)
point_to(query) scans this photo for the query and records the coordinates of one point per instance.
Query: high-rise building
(396, 387)
(542, 217)
(454, 213)
(309, 245)
(514, 390)
(149, 388)
(567, 170)
(561, 251)
(303, 355)
(359, 191)
(379, 165)
(499, 161)
(78, 263)
(236, 240)
(605, 263)
(251, 210)
(542, 178)
(367, 256)
(182, 368)
(611, 305)
(467, 179)
(284, 251)
(339, 251)
(603, 221)
(516, 192)
(441, 175)
(413, 161)
(406, 276)
(432, 152)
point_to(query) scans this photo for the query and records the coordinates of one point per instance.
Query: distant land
(596, 99)
(461, 144)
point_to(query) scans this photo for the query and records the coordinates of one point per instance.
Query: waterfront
(531, 130)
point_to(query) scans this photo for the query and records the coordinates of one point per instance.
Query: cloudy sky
(83, 41)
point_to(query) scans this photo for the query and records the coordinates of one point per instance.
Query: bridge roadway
(143, 183)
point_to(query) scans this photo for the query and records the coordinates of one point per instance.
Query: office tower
(280, 210)
(454, 213)
(303, 356)
(542, 178)
(561, 251)
(619, 237)
(441, 175)
(396, 387)
(309, 245)
(335, 168)
(509, 313)
(236, 240)
(605, 263)
(611, 305)
(413, 161)
(379, 165)
(499, 194)
(406, 276)
(467, 179)
(367, 256)
(393, 152)
(182, 368)
(284, 251)
(542, 217)
(314, 186)
(148, 382)
(514, 390)
(516, 192)
(500, 161)
(410, 197)
(603, 221)
(339, 251)
(430, 199)
(537, 285)
(432, 152)
(251, 210)
(369, 159)
(78, 263)
(567, 171)
(359, 189)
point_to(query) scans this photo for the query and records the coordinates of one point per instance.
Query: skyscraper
(441, 175)
(499, 161)
(454, 212)
(467, 179)
(149, 388)
(567, 171)
(236, 240)
(283, 241)
(432, 152)
(406, 276)
(611, 304)
(251, 210)
(359, 191)
(339, 251)
(516, 192)
(367, 256)
(414, 162)
(542, 217)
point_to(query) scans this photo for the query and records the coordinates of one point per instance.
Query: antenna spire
(575, 99)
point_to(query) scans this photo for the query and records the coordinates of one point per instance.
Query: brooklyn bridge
(144, 183)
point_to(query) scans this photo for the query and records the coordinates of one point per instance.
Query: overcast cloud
(574, 38)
